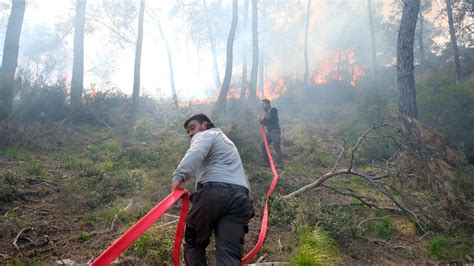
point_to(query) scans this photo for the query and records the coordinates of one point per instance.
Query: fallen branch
(15, 242)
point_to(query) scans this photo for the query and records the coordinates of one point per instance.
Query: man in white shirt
(221, 203)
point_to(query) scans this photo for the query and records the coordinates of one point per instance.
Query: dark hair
(267, 101)
(200, 118)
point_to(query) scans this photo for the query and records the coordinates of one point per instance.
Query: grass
(36, 169)
(155, 246)
(16, 153)
(316, 247)
(382, 228)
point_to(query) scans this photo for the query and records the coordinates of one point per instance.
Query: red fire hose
(146, 221)
(263, 228)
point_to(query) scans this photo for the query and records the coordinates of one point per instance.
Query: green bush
(10, 179)
(446, 106)
(339, 221)
(98, 188)
(155, 246)
(72, 163)
(441, 246)
(451, 248)
(36, 169)
(137, 156)
(15, 153)
(316, 247)
(39, 102)
(382, 228)
(463, 180)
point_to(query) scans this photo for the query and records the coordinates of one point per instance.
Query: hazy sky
(193, 72)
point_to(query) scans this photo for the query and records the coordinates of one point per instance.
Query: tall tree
(306, 62)
(217, 78)
(253, 73)
(10, 56)
(261, 71)
(421, 46)
(138, 61)
(372, 36)
(243, 83)
(77, 82)
(405, 66)
(222, 100)
(170, 59)
(454, 43)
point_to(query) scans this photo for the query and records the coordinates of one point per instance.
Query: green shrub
(36, 169)
(339, 221)
(10, 179)
(451, 248)
(138, 156)
(155, 246)
(446, 106)
(382, 228)
(463, 180)
(11, 152)
(98, 188)
(441, 246)
(316, 247)
(72, 163)
(15, 153)
(113, 145)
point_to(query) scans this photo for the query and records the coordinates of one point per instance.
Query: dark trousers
(273, 138)
(224, 209)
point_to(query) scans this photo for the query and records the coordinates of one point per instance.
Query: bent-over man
(221, 203)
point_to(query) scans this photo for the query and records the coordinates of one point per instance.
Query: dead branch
(261, 258)
(339, 157)
(15, 242)
(373, 218)
(168, 223)
(47, 131)
(361, 138)
(112, 225)
(358, 197)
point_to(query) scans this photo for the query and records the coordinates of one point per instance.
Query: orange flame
(339, 66)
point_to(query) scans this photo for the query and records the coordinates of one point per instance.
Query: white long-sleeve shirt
(212, 157)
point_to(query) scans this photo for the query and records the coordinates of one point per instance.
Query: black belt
(222, 184)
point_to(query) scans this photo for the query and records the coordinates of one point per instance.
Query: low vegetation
(81, 179)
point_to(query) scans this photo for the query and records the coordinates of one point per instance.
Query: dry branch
(15, 242)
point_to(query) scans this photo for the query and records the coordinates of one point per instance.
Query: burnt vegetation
(364, 181)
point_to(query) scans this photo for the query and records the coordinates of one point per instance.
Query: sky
(193, 70)
(191, 81)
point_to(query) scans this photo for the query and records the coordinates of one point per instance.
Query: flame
(272, 89)
(339, 66)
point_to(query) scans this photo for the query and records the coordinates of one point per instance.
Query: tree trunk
(10, 56)
(243, 84)
(372, 37)
(138, 61)
(221, 102)
(253, 73)
(170, 66)
(454, 43)
(217, 78)
(306, 62)
(405, 76)
(420, 41)
(261, 76)
(77, 82)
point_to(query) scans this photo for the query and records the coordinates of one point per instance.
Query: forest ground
(68, 191)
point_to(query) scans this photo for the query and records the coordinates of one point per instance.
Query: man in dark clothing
(221, 203)
(270, 120)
